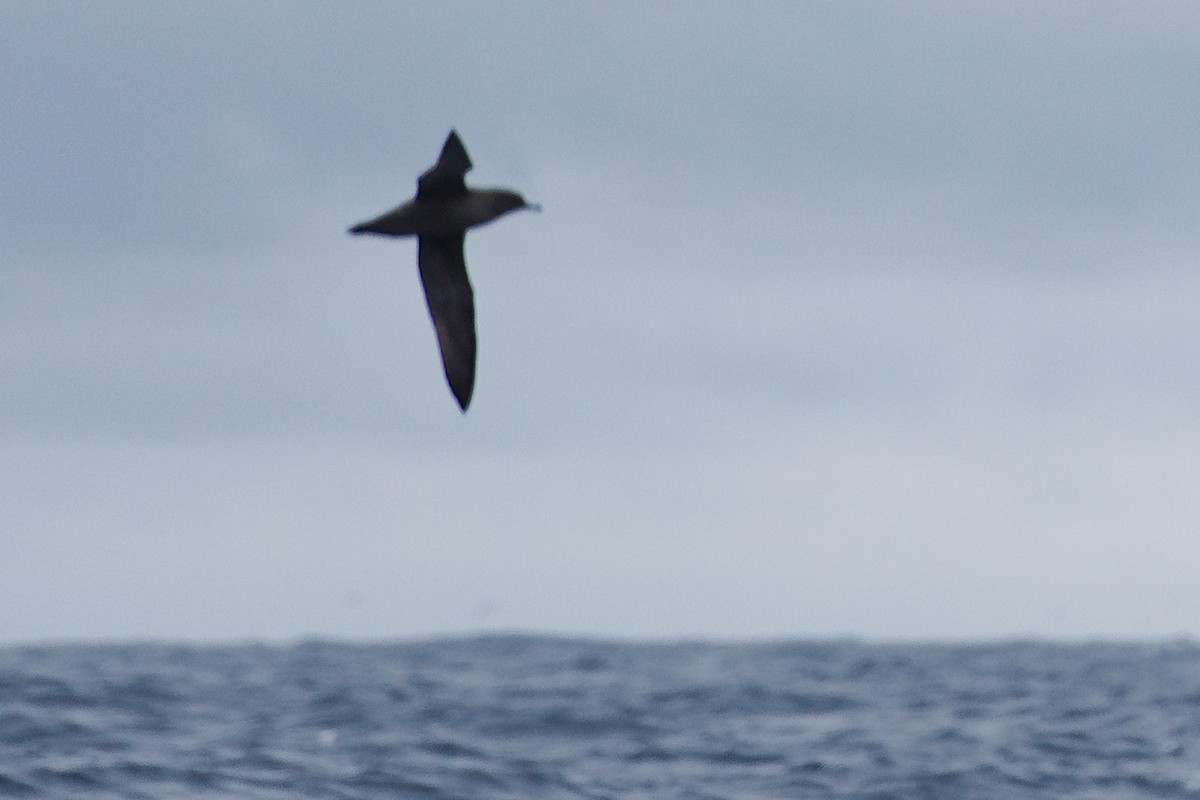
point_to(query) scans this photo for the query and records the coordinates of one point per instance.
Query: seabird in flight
(439, 217)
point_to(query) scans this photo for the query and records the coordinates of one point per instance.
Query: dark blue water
(518, 717)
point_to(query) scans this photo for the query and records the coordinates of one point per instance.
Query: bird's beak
(534, 206)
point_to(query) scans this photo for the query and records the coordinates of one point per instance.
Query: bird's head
(511, 201)
(486, 205)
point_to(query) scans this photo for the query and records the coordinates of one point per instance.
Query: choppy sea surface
(525, 717)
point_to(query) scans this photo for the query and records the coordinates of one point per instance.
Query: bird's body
(439, 217)
(442, 217)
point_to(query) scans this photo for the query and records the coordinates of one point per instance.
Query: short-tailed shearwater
(439, 217)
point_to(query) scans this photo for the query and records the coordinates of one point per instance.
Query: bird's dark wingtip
(463, 391)
(454, 154)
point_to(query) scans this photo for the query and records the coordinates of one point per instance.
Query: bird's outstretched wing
(444, 180)
(452, 307)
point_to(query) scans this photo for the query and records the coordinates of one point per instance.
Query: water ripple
(525, 717)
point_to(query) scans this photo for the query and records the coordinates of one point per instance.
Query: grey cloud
(838, 316)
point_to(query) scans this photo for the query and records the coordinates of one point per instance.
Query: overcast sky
(868, 319)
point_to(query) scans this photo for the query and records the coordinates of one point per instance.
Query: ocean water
(502, 717)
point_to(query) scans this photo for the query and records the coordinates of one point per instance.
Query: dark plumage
(439, 217)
